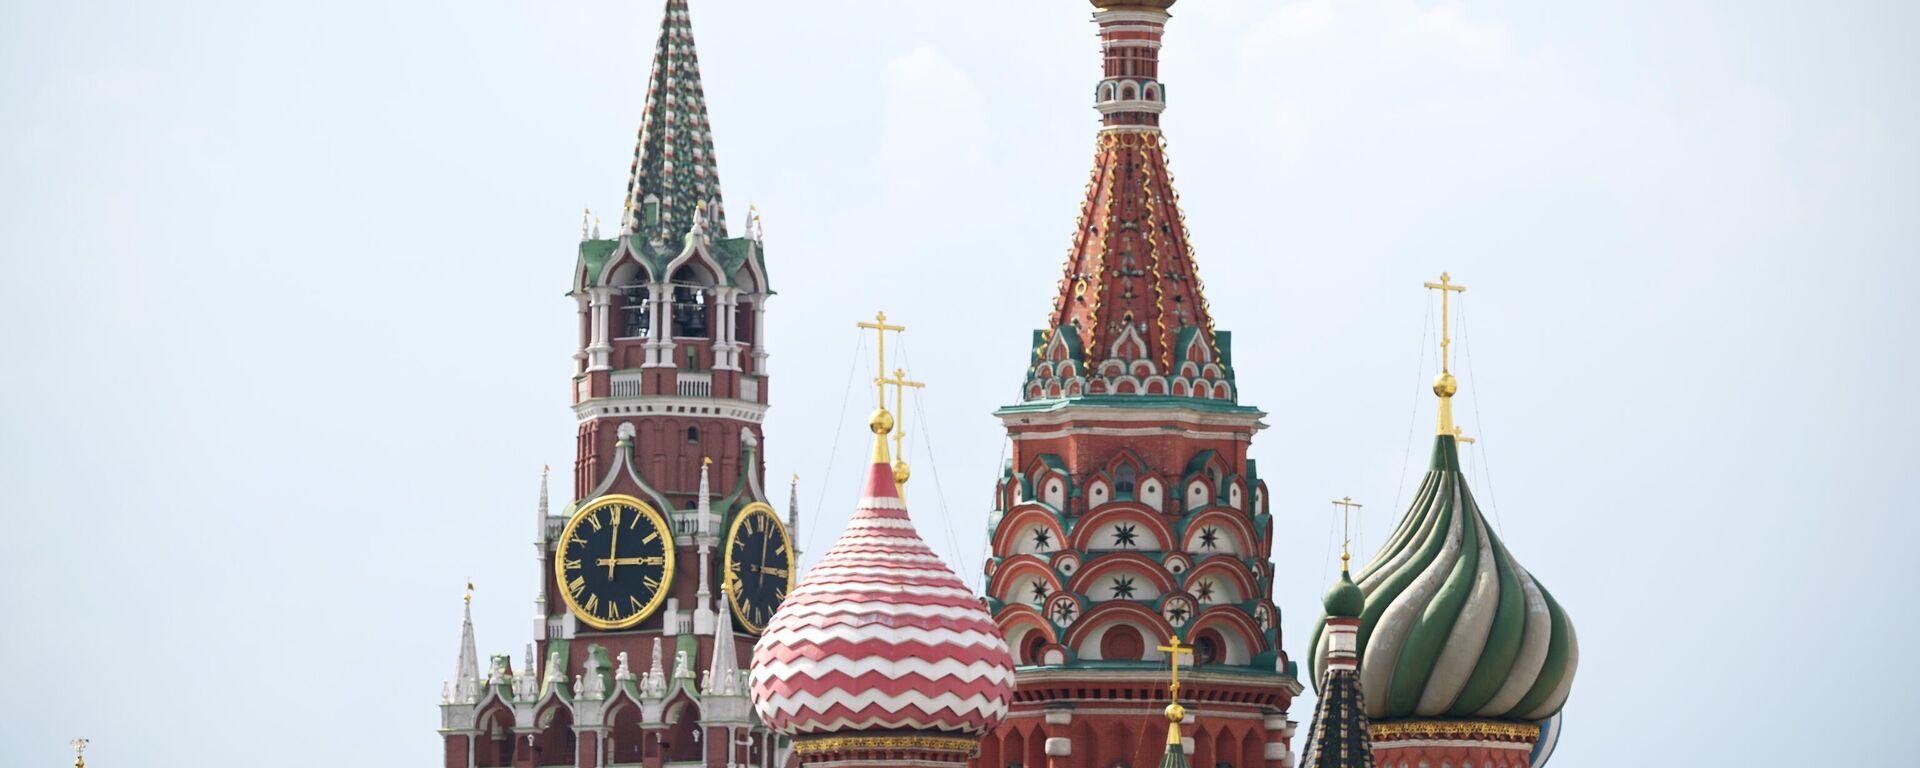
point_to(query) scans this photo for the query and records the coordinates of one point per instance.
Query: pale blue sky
(286, 344)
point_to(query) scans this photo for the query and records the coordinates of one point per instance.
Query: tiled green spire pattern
(1453, 626)
(673, 161)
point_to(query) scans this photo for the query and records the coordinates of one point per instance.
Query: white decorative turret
(464, 688)
(556, 671)
(725, 665)
(793, 515)
(540, 561)
(703, 512)
(593, 686)
(654, 685)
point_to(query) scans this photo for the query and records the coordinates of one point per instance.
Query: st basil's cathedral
(1127, 619)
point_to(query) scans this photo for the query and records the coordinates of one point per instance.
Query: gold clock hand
(613, 549)
(613, 561)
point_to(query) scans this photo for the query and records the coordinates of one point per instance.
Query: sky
(286, 343)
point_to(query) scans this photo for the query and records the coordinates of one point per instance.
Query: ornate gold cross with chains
(880, 327)
(1347, 505)
(1173, 650)
(1446, 288)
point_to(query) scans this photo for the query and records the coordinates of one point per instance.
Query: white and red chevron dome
(881, 636)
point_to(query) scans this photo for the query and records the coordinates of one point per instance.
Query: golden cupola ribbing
(1462, 645)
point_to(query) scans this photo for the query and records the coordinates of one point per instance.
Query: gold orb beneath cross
(1444, 385)
(880, 422)
(1176, 713)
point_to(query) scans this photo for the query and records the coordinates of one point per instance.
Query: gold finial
(880, 327)
(1347, 505)
(79, 749)
(1174, 712)
(468, 598)
(880, 422)
(706, 461)
(1444, 385)
(900, 384)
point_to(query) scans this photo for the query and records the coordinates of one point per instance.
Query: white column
(727, 343)
(600, 352)
(760, 334)
(659, 326)
(586, 333)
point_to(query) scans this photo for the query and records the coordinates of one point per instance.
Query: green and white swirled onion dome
(1453, 626)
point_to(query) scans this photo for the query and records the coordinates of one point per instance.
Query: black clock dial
(614, 564)
(758, 566)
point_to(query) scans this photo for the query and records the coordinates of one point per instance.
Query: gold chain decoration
(1199, 285)
(845, 743)
(1109, 144)
(1153, 247)
(1454, 729)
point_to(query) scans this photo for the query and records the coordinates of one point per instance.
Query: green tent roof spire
(674, 168)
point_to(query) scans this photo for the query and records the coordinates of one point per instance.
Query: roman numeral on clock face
(577, 586)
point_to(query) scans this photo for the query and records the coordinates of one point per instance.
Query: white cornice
(650, 405)
(1152, 421)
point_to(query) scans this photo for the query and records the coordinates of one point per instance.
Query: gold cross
(900, 385)
(1445, 287)
(1173, 651)
(469, 598)
(1347, 505)
(879, 327)
(1460, 438)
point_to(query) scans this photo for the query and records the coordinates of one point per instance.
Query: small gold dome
(880, 422)
(901, 473)
(1176, 713)
(1444, 385)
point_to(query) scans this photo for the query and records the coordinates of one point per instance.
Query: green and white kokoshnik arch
(1453, 626)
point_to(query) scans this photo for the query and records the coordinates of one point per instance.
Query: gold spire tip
(1444, 385)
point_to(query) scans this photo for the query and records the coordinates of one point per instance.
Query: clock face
(615, 562)
(758, 566)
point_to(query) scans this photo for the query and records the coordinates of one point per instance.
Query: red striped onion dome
(881, 636)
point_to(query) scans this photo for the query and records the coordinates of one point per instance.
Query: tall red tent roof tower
(1130, 512)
